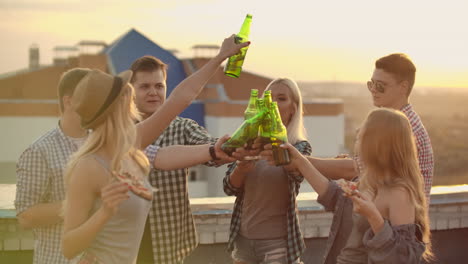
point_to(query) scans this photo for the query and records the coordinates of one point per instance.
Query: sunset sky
(306, 40)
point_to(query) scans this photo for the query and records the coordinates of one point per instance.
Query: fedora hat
(96, 94)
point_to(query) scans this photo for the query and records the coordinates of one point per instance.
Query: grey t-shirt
(119, 239)
(266, 201)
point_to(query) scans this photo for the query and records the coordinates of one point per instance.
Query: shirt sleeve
(330, 198)
(150, 153)
(33, 179)
(306, 149)
(425, 158)
(198, 135)
(394, 244)
(229, 189)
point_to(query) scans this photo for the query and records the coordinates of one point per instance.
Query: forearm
(334, 168)
(181, 97)
(41, 215)
(78, 239)
(180, 156)
(313, 176)
(376, 222)
(237, 178)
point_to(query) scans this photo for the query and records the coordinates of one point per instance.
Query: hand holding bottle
(220, 154)
(230, 47)
(295, 156)
(233, 67)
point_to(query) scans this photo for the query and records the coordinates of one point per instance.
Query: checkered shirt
(423, 146)
(294, 236)
(40, 171)
(171, 222)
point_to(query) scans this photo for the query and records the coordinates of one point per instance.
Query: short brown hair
(68, 82)
(400, 65)
(148, 64)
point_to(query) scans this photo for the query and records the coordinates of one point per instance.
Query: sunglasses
(379, 87)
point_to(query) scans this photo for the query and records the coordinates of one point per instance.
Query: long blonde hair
(296, 129)
(118, 132)
(388, 151)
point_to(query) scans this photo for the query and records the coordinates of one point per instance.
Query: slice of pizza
(348, 187)
(136, 185)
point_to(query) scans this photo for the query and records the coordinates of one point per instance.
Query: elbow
(25, 221)
(67, 251)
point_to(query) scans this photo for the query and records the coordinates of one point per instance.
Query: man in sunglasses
(390, 86)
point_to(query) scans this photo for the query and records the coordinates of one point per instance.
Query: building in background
(29, 107)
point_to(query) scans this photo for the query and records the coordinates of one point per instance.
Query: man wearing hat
(40, 187)
(170, 234)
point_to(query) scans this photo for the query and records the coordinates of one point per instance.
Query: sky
(306, 40)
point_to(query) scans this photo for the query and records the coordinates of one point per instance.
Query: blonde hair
(296, 129)
(118, 131)
(388, 151)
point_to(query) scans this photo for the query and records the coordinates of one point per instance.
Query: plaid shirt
(424, 148)
(171, 222)
(40, 171)
(294, 236)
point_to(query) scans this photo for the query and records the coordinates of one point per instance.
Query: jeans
(261, 251)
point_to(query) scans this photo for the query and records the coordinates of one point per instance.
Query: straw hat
(96, 94)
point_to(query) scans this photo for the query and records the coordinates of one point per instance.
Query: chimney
(205, 50)
(34, 56)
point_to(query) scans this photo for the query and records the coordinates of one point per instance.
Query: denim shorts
(261, 251)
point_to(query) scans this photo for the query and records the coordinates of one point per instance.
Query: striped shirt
(294, 236)
(171, 224)
(40, 171)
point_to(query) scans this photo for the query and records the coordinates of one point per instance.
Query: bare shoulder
(401, 207)
(88, 171)
(398, 195)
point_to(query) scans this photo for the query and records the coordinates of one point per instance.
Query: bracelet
(213, 153)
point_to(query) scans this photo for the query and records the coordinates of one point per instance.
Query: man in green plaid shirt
(170, 233)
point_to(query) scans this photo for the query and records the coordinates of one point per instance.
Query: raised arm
(181, 156)
(334, 168)
(181, 97)
(301, 163)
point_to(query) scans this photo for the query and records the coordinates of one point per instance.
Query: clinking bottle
(251, 109)
(234, 64)
(278, 136)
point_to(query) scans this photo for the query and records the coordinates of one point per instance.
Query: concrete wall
(19, 132)
(448, 215)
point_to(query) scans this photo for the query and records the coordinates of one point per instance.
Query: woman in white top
(103, 221)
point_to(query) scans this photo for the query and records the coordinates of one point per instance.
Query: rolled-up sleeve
(228, 188)
(150, 153)
(305, 149)
(331, 196)
(394, 244)
(32, 179)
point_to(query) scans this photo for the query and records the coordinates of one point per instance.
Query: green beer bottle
(244, 134)
(233, 66)
(251, 109)
(265, 127)
(278, 136)
(267, 98)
